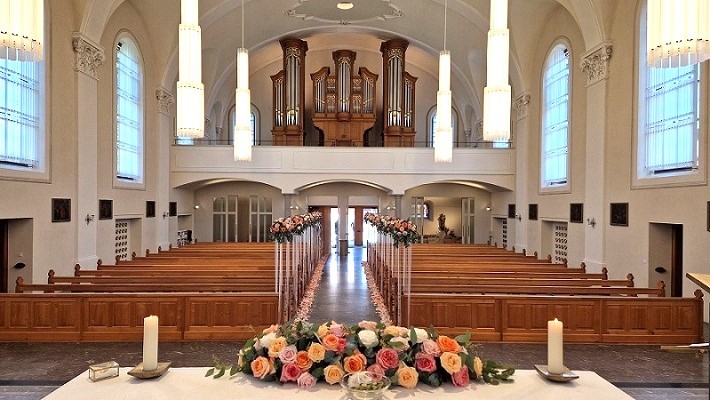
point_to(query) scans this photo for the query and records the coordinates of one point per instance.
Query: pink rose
(337, 330)
(288, 354)
(429, 347)
(306, 380)
(369, 325)
(404, 346)
(460, 378)
(387, 358)
(376, 369)
(341, 345)
(425, 362)
(290, 373)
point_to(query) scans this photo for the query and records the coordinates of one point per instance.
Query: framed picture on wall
(173, 209)
(61, 210)
(576, 212)
(511, 210)
(619, 214)
(105, 209)
(532, 212)
(150, 209)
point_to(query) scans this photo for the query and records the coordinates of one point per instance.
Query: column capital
(521, 105)
(165, 100)
(595, 63)
(88, 56)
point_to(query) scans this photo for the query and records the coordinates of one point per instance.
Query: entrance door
(418, 215)
(224, 219)
(467, 220)
(260, 218)
(3, 256)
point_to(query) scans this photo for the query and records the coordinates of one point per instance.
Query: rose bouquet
(304, 353)
(402, 231)
(283, 229)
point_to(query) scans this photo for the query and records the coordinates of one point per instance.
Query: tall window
(253, 123)
(668, 120)
(129, 111)
(555, 117)
(432, 126)
(20, 124)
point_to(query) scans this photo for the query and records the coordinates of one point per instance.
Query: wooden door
(676, 260)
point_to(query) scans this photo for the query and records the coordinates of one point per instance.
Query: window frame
(454, 126)
(120, 183)
(256, 132)
(41, 172)
(545, 188)
(641, 177)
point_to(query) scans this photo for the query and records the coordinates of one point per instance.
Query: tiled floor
(29, 371)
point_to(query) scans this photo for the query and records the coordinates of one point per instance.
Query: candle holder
(565, 376)
(139, 372)
(103, 370)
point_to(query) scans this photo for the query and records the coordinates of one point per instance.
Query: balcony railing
(420, 144)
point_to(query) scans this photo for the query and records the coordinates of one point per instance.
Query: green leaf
(396, 344)
(220, 373)
(233, 371)
(413, 336)
(249, 343)
(209, 372)
(317, 373)
(464, 339)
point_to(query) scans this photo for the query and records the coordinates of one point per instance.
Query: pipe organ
(344, 103)
(289, 94)
(398, 97)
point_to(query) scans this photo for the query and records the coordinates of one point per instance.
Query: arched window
(21, 117)
(668, 120)
(432, 126)
(555, 118)
(129, 111)
(254, 123)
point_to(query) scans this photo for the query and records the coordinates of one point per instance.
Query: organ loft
(345, 109)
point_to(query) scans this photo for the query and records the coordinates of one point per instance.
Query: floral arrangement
(304, 353)
(402, 231)
(283, 229)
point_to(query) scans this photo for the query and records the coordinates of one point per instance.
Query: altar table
(190, 383)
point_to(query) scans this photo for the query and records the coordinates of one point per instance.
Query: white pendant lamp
(21, 29)
(242, 109)
(677, 32)
(190, 90)
(443, 137)
(496, 95)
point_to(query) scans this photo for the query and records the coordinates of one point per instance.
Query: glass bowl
(365, 385)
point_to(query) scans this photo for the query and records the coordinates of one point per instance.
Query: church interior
(596, 176)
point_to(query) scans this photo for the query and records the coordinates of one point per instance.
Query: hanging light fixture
(190, 90)
(677, 32)
(21, 29)
(496, 95)
(443, 137)
(242, 107)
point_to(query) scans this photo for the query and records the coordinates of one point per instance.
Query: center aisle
(343, 295)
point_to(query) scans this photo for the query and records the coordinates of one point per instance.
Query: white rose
(368, 339)
(266, 339)
(421, 335)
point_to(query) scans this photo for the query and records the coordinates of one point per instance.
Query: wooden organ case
(344, 104)
(398, 97)
(289, 94)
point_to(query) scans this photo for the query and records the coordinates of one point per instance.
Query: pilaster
(522, 133)
(88, 58)
(165, 102)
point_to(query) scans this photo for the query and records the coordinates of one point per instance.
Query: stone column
(595, 65)
(165, 140)
(522, 134)
(398, 205)
(287, 204)
(343, 225)
(88, 57)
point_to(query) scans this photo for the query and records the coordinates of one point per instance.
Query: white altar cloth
(190, 383)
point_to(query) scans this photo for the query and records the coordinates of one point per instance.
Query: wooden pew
(21, 287)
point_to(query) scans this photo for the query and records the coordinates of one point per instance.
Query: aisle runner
(304, 309)
(375, 295)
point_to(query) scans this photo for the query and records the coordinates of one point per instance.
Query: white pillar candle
(150, 343)
(555, 364)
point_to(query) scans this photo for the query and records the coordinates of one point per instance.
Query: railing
(421, 144)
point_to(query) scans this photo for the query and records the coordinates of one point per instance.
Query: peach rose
(261, 367)
(330, 342)
(369, 325)
(303, 361)
(407, 377)
(394, 330)
(322, 331)
(276, 346)
(355, 363)
(446, 344)
(451, 362)
(316, 352)
(333, 374)
(478, 367)
(272, 328)
(460, 378)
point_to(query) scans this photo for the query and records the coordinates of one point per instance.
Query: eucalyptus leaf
(209, 372)
(220, 373)
(413, 336)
